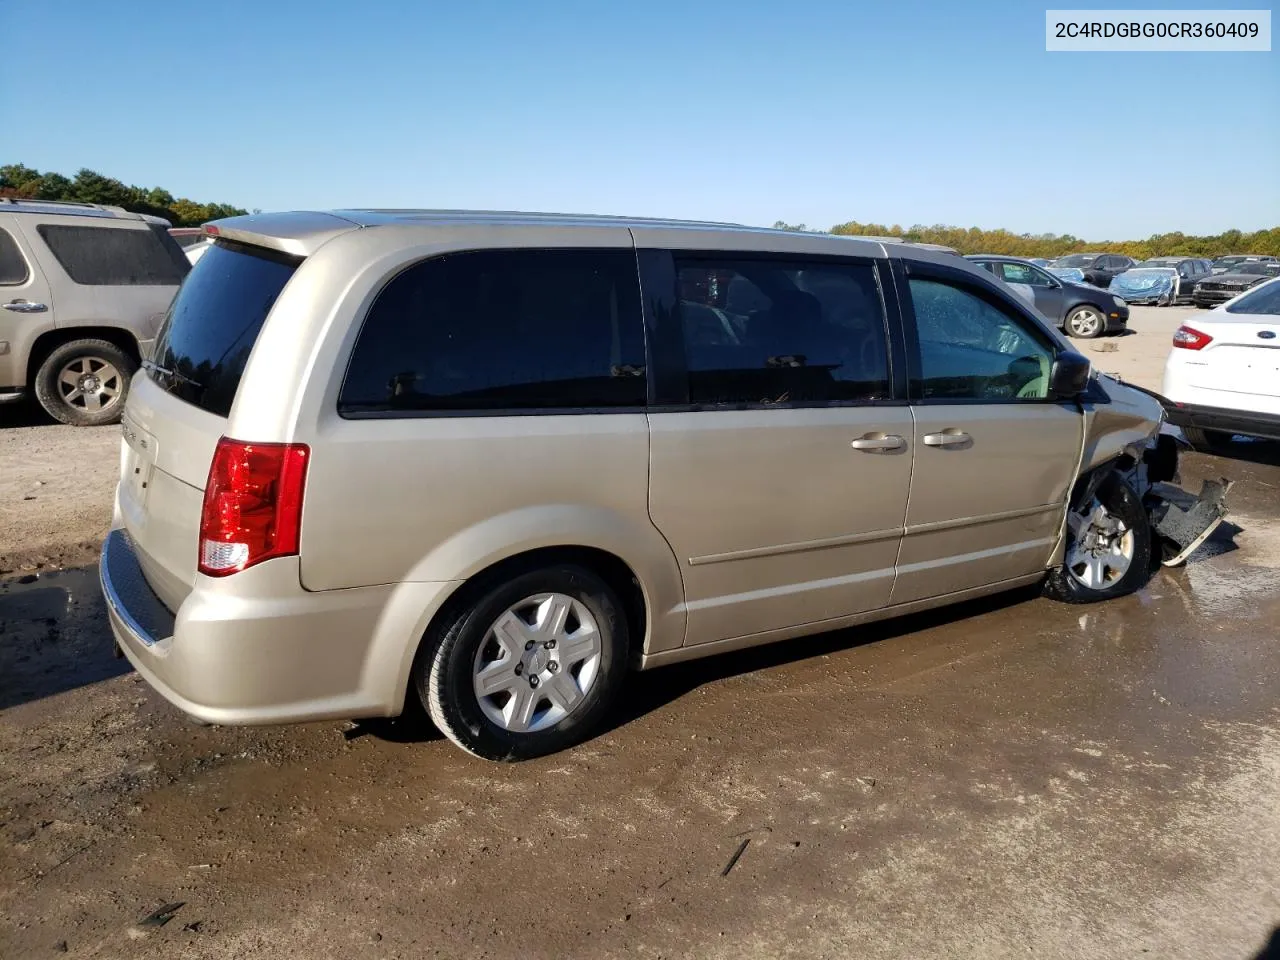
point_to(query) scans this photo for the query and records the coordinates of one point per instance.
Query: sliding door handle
(948, 438)
(882, 442)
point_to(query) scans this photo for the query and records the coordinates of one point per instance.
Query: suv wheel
(1085, 322)
(84, 382)
(527, 669)
(1108, 547)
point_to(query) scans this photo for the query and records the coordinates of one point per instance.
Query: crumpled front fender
(1125, 425)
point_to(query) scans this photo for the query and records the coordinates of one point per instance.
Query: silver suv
(489, 461)
(82, 290)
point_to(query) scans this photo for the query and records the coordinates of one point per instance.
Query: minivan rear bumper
(257, 648)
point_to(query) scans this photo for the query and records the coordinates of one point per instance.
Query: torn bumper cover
(1180, 520)
(1184, 519)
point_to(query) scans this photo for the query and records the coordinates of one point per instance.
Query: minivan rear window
(214, 322)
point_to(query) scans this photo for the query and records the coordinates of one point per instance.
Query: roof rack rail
(65, 203)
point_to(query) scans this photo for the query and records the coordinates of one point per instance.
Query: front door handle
(948, 438)
(25, 306)
(883, 442)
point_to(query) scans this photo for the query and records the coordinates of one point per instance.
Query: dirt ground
(1008, 778)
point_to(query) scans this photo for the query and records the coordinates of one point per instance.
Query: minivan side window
(13, 267)
(114, 256)
(768, 331)
(502, 331)
(972, 350)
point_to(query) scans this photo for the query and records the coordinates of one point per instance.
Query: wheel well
(47, 342)
(1084, 303)
(609, 567)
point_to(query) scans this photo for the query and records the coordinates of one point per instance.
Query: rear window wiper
(152, 367)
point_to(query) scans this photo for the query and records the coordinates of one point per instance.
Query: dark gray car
(1099, 269)
(1222, 287)
(1076, 308)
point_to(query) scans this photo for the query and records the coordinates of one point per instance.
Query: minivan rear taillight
(252, 505)
(1189, 338)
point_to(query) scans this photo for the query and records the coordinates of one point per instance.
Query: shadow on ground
(53, 636)
(23, 413)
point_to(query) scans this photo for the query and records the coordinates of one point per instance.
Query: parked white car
(1223, 373)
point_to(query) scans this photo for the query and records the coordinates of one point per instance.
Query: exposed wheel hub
(1101, 548)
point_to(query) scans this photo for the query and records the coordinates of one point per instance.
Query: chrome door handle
(888, 442)
(24, 306)
(947, 439)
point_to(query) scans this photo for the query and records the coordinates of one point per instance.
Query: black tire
(1121, 502)
(1096, 330)
(61, 402)
(443, 673)
(1206, 441)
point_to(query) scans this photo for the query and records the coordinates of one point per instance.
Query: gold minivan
(492, 460)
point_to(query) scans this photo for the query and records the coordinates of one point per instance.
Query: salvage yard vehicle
(1076, 308)
(1097, 269)
(1222, 287)
(1223, 372)
(83, 288)
(1157, 285)
(487, 461)
(1223, 264)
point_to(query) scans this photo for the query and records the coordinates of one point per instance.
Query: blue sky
(813, 112)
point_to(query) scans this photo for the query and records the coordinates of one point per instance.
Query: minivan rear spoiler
(298, 234)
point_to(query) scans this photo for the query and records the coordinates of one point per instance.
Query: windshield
(1262, 300)
(1076, 260)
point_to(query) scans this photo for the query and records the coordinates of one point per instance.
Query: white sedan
(1223, 373)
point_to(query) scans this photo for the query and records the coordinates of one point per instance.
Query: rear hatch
(178, 407)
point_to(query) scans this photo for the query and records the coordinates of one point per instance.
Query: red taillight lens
(1189, 338)
(252, 505)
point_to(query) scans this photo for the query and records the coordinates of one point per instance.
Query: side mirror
(1069, 376)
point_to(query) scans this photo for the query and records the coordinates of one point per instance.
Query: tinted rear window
(115, 256)
(502, 330)
(214, 322)
(13, 268)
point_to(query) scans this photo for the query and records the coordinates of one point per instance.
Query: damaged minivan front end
(1124, 441)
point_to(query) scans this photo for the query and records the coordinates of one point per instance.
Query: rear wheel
(1085, 322)
(84, 382)
(528, 668)
(1108, 547)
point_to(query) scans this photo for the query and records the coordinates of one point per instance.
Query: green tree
(89, 186)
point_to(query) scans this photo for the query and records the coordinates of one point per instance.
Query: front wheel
(530, 667)
(1085, 323)
(1108, 547)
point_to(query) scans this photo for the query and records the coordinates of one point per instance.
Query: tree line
(89, 186)
(1050, 245)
